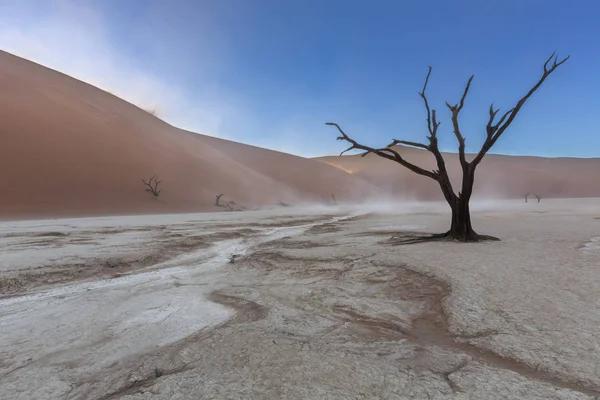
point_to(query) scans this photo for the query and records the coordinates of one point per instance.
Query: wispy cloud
(73, 39)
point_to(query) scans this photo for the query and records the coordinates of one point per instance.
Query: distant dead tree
(538, 197)
(526, 196)
(152, 184)
(333, 198)
(460, 228)
(228, 205)
(233, 206)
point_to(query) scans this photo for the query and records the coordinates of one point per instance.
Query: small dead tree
(526, 197)
(460, 228)
(333, 198)
(228, 205)
(538, 197)
(233, 206)
(152, 184)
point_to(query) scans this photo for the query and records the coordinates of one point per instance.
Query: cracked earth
(313, 304)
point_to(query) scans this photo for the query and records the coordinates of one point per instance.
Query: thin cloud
(73, 40)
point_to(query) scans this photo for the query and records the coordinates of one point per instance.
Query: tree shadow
(406, 238)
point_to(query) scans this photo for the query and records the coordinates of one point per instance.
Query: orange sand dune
(497, 176)
(71, 149)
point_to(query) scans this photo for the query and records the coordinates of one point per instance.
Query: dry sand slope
(70, 149)
(307, 305)
(497, 176)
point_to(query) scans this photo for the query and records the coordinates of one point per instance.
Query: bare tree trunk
(461, 228)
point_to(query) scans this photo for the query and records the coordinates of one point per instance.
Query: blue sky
(271, 72)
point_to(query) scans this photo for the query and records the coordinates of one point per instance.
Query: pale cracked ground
(313, 304)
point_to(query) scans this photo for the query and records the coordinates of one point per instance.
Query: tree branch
(489, 127)
(432, 127)
(407, 143)
(494, 131)
(388, 153)
(455, 110)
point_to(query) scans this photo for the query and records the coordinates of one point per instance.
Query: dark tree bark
(218, 199)
(460, 227)
(526, 197)
(538, 197)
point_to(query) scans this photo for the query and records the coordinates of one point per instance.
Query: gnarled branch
(388, 153)
(432, 127)
(495, 130)
(432, 124)
(407, 143)
(455, 110)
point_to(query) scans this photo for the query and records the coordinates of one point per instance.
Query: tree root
(414, 238)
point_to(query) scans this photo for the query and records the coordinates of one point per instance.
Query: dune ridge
(71, 149)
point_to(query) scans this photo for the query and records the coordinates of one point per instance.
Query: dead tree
(333, 198)
(460, 228)
(152, 184)
(538, 197)
(526, 197)
(218, 199)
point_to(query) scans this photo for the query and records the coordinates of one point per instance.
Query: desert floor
(322, 303)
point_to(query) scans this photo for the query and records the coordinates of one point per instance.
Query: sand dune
(498, 176)
(71, 149)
